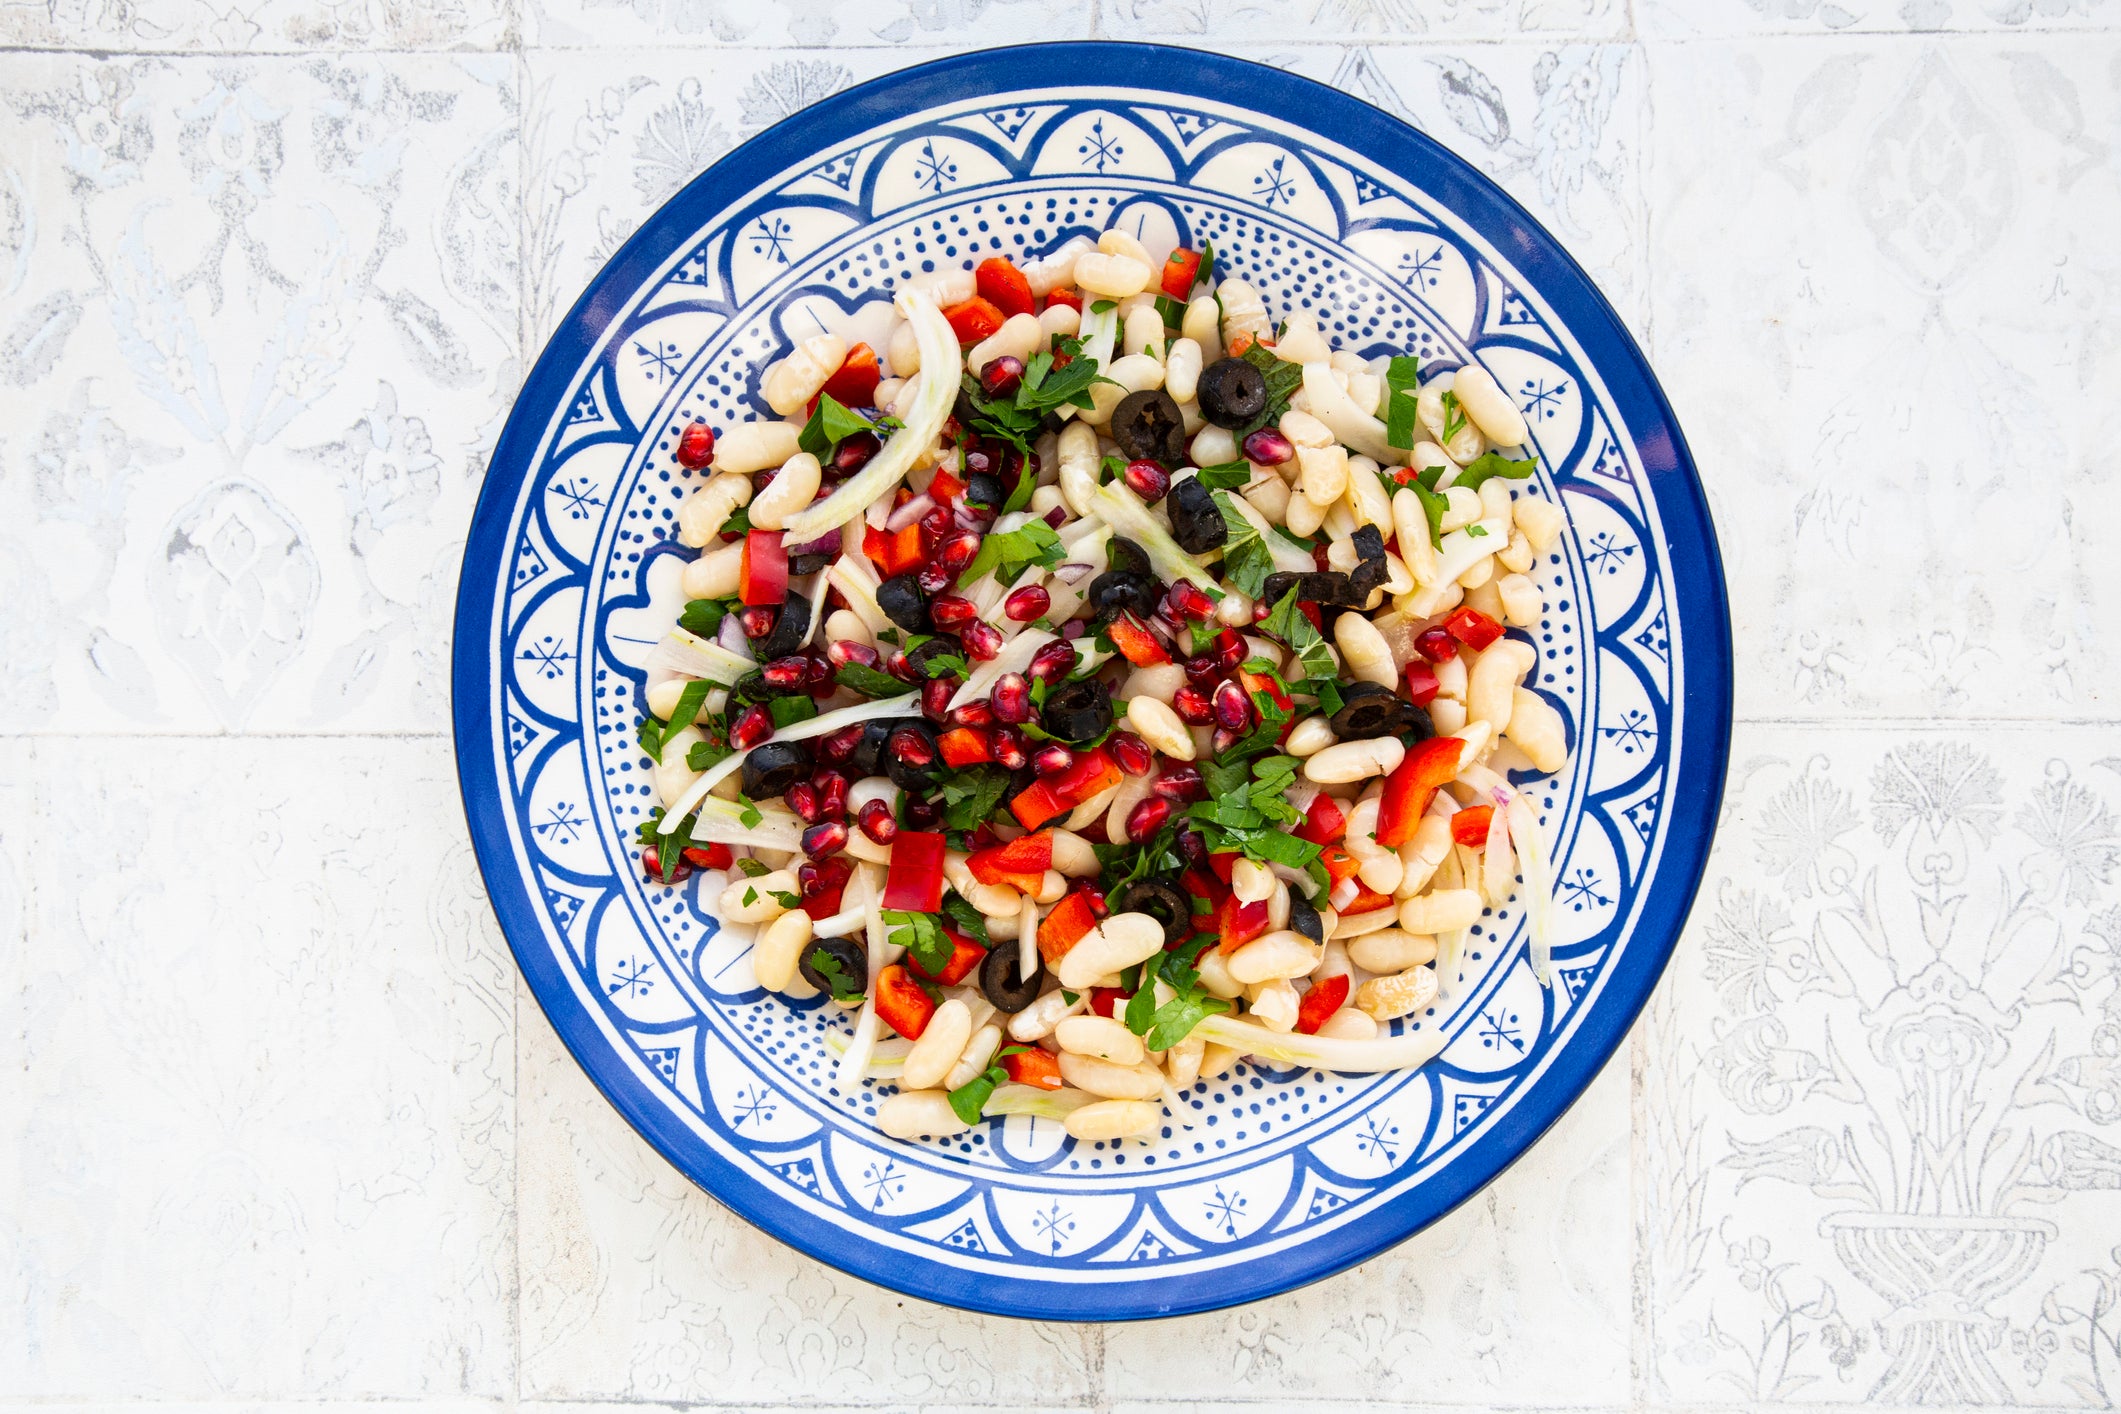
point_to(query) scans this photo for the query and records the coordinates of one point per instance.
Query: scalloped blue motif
(1277, 1176)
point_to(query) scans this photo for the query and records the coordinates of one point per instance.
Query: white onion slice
(824, 724)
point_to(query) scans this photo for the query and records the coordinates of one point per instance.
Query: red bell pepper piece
(1135, 642)
(1023, 860)
(1066, 297)
(853, 384)
(1422, 685)
(1471, 627)
(1260, 682)
(1180, 271)
(965, 955)
(1324, 821)
(893, 552)
(946, 488)
(1339, 863)
(1048, 796)
(1109, 1001)
(1409, 787)
(1065, 926)
(762, 572)
(965, 746)
(1223, 864)
(1034, 1067)
(1004, 286)
(902, 1002)
(1366, 900)
(712, 856)
(1469, 827)
(915, 883)
(1239, 923)
(1310, 611)
(1320, 1002)
(973, 319)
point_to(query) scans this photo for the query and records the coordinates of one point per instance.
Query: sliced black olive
(1123, 554)
(923, 657)
(1304, 918)
(1330, 587)
(773, 766)
(903, 603)
(1196, 521)
(1278, 586)
(1366, 710)
(753, 687)
(1168, 905)
(838, 967)
(1370, 570)
(1000, 984)
(1369, 542)
(868, 756)
(1115, 590)
(1079, 712)
(1231, 392)
(1149, 427)
(790, 631)
(911, 764)
(985, 489)
(807, 564)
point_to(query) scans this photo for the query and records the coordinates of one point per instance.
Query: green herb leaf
(786, 899)
(971, 795)
(843, 988)
(1175, 1019)
(739, 522)
(787, 711)
(969, 1100)
(1103, 306)
(970, 921)
(830, 425)
(752, 868)
(1226, 476)
(1489, 464)
(706, 753)
(1288, 624)
(750, 818)
(1454, 418)
(1173, 312)
(1206, 273)
(1026, 483)
(704, 616)
(922, 937)
(1283, 379)
(1011, 553)
(1326, 690)
(1141, 1009)
(872, 683)
(681, 717)
(1402, 385)
(1476, 531)
(1246, 560)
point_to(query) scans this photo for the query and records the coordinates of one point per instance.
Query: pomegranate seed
(850, 650)
(1203, 671)
(752, 726)
(923, 814)
(1188, 600)
(1147, 480)
(977, 713)
(1027, 603)
(982, 641)
(1422, 685)
(1098, 905)
(828, 838)
(1192, 706)
(1001, 377)
(817, 878)
(802, 799)
(937, 523)
(1232, 708)
(1130, 753)
(977, 462)
(877, 822)
(934, 578)
(1229, 649)
(654, 871)
(854, 453)
(1012, 698)
(696, 446)
(1261, 610)
(901, 667)
(949, 611)
(1224, 739)
(912, 747)
(1181, 784)
(1267, 447)
(1051, 759)
(759, 619)
(831, 794)
(1436, 645)
(957, 550)
(1053, 662)
(1146, 818)
(838, 748)
(935, 698)
(1007, 744)
(819, 677)
(1192, 845)
(787, 673)
(982, 836)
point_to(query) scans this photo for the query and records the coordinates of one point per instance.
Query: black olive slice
(1196, 521)
(1000, 984)
(1232, 392)
(1168, 905)
(1115, 590)
(1123, 554)
(1079, 712)
(1366, 711)
(903, 603)
(1149, 427)
(1304, 918)
(845, 956)
(790, 631)
(773, 766)
(868, 756)
(923, 657)
(911, 757)
(985, 489)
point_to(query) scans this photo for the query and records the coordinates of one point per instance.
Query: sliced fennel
(1015, 657)
(721, 822)
(1323, 1052)
(1538, 885)
(824, 724)
(684, 651)
(1031, 1100)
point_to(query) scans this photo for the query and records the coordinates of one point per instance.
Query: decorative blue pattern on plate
(571, 575)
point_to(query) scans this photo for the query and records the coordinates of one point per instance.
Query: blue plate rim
(1609, 349)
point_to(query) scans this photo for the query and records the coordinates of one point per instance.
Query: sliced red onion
(910, 513)
(966, 520)
(1072, 573)
(731, 636)
(1057, 517)
(1072, 629)
(826, 544)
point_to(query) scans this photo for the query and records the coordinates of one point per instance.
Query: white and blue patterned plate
(571, 573)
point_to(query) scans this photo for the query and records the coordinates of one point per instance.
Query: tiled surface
(283, 1130)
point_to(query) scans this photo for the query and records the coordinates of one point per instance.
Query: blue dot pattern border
(1276, 1178)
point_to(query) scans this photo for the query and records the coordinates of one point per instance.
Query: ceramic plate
(572, 569)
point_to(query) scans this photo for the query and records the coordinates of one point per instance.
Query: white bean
(1111, 276)
(1236, 608)
(1142, 332)
(1540, 520)
(1323, 473)
(1350, 761)
(1310, 736)
(1363, 650)
(1300, 341)
(1442, 911)
(978, 1051)
(1495, 499)
(1489, 407)
(1251, 881)
(1159, 726)
(1214, 968)
(1020, 336)
(1465, 507)
(796, 379)
(1158, 680)
(1073, 856)
(1102, 1037)
(1119, 942)
(940, 1043)
(754, 446)
(1516, 556)
(1182, 366)
(1536, 729)
(1486, 598)
(1049, 272)
(1202, 325)
(663, 697)
(1349, 926)
(1304, 515)
(1114, 241)
(903, 351)
(1410, 523)
(1113, 1119)
(846, 625)
(1483, 569)
(776, 954)
(1182, 1062)
(919, 1114)
(1213, 446)
(1216, 1059)
(1383, 998)
(1391, 950)
(1111, 1082)
(701, 515)
(1348, 1024)
(1272, 955)
(1059, 321)
(753, 901)
(1273, 1004)
(1036, 1021)
(793, 488)
(1423, 853)
(1493, 681)
(1243, 313)
(673, 776)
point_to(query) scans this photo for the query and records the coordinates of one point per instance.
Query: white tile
(1686, 19)
(1882, 274)
(838, 25)
(236, 26)
(1880, 1087)
(258, 321)
(638, 1286)
(1518, 1297)
(259, 1125)
(1264, 21)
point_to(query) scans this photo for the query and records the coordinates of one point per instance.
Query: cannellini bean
(1464, 508)
(1489, 407)
(1143, 333)
(1366, 496)
(1540, 520)
(1536, 729)
(1332, 960)
(1159, 680)
(1058, 321)
(1111, 276)
(793, 488)
(1493, 680)
(1077, 458)
(938, 1047)
(1216, 1059)
(1236, 608)
(1251, 881)
(1119, 942)
(1310, 736)
(1182, 1062)
(1348, 926)
(1129, 793)
(1521, 602)
(1182, 365)
(1381, 872)
(1214, 968)
(1300, 341)
(1304, 515)
(1348, 1024)
(1403, 994)
(1158, 725)
(1113, 1082)
(948, 287)
(1495, 499)
(1429, 410)
(1270, 497)
(1516, 554)
(779, 948)
(1367, 391)
(1482, 570)
(1391, 950)
(1102, 1037)
(753, 901)
(1036, 1021)
(1049, 272)
(1363, 650)
(1274, 955)
(1073, 856)
(870, 788)
(701, 516)
(919, 1114)
(1113, 241)
(1052, 887)
(846, 624)
(1451, 677)
(1465, 444)
(1020, 336)
(796, 379)
(1486, 598)
(1243, 313)
(903, 351)
(673, 777)
(1410, 524)
(1323, 472)
(1202, 325)
(663, 697)
(754, 446)
(1113, 1119)
(1135, 373)
(1350, 761)
(1304, 430)
(887, 391)
(978, 1051)
(1213, 446)
(1441, 911)
(1422, 854)
(1273, 1004)
(1278, 906)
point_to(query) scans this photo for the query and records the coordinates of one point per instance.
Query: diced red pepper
(915, 883)
(1180, 271)
(1065, 297)
(711, 856)
(1237, 346)
(1239, 923)
(974, 319)
(1034, 1067)
(1224, 863)
(1409, 787)
(1109, 1001)
(965, 746)
(902, 1002)
(893, 552)
(1366, 900)
(1422, 685)
(1135, 642)
(1324, 820)
(1339, 863)
(965, 955)
(1004, 286)
(1469, 827)
(1310, 611)
(1065, 926)
(1048, 796)
(1471, 627)
(853, 384)
(1025, 856)
(946, 488)
(1320, 1002)
(762, 572)
(1208, 889)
